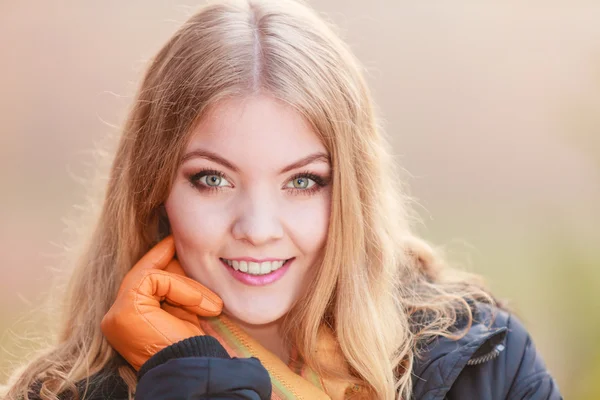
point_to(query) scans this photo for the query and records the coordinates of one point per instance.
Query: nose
(258, 222)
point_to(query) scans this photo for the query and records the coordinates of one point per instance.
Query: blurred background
(493, 109)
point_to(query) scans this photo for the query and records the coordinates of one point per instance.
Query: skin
(256, 211)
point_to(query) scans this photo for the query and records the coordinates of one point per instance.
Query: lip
(258, 280)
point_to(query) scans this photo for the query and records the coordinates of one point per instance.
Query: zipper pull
(495, 352)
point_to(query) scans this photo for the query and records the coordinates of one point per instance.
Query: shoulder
(106, 385)
(519, 371)
(496, 359)
(103, 385)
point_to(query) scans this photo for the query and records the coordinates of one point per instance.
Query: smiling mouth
(254, 268)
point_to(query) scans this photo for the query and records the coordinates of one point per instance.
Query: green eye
(302, 182)
(213, 180)
(209, 179)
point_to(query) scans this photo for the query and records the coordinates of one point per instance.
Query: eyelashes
(214, 178)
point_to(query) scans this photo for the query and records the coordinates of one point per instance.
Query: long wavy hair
(382, 290)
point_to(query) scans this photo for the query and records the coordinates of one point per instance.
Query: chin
(254, 316)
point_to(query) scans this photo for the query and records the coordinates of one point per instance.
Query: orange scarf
(294, 381)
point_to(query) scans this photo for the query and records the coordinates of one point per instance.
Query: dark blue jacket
(492, 361)
(497, 361)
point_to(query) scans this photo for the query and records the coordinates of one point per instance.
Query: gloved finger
(157, 257)
(175, 267)
(178, 290)
(181, 313)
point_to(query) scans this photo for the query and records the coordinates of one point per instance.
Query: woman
(254, 242)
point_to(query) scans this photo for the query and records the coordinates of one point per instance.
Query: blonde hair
(381, 289)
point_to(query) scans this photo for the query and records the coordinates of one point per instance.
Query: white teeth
(243, 266)
(265, 267)
(255, 268)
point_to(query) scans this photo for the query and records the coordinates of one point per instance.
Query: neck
(267, 335)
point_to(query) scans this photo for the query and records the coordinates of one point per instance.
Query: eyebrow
(209, 155)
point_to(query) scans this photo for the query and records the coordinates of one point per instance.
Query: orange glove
(136, 326)
(190, 316)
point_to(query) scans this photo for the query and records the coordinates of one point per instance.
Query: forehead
(256, 128)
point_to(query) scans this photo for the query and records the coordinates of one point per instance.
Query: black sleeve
(200, 368)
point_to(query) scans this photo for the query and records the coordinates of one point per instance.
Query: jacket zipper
(495, 352)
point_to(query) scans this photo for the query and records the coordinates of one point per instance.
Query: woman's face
(252, 191)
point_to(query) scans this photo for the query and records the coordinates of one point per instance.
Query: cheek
(199, 226)
(308, 222)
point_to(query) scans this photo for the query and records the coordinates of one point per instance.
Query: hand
(136, 326)
(190, 316)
